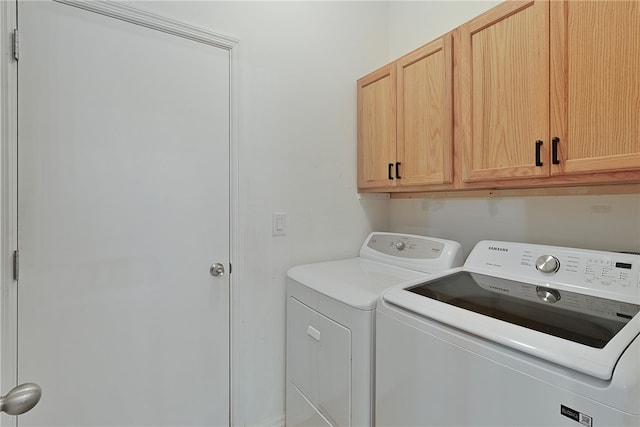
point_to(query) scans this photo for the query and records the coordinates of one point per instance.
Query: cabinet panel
(425, 114)
(505, 71)
(595, 47)
(376, 127)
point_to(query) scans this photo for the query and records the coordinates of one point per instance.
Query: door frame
(9, 181)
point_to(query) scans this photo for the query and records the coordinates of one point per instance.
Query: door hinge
(16, 265)
(15, 44)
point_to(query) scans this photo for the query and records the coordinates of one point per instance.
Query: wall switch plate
(279, 224)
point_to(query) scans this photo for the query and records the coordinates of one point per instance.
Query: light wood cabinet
(504, 92)
(377, 128)
(531, 94)
(550, 89)
(425, 114)
(415, 149)
(595, 86)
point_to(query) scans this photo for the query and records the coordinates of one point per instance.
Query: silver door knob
(20, 399)
(217, 269)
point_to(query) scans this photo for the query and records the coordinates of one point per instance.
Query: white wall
(299, 62)
(590, 222)
(593, 222)
(414, 23)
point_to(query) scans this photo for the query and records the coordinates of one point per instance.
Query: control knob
(548, 295)
(548, 264)
(400, 245)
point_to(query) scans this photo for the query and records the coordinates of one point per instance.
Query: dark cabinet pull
(390, 168)
(538, 146)
(554, 150)
(398, 170)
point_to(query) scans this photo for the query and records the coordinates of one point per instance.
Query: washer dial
(548, 264)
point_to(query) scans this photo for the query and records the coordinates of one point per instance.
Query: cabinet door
(425, 114)
(595, 48)
(504, 82)
(377, 128)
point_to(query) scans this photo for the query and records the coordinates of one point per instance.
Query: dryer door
(319, 361)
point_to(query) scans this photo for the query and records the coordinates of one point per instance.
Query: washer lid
(357, 282)
(597, 362)
(583, 319)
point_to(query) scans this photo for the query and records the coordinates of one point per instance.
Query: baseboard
(274, 422)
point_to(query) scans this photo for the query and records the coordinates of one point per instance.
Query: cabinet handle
(398, 170)
(538, 146)
(390, 168)
(554, 150)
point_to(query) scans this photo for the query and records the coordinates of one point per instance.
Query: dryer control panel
(405, 246)
(420, 253)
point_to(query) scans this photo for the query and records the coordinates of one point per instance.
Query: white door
(123, 206)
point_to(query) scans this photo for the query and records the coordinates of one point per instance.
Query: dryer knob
(400, 245)
(548, 264)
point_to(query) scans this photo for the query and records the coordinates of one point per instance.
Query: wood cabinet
(504, 92)
(376, 128)
(550, 89)
(530, 94)
(405, 120)
(595, 86)
(425, 114)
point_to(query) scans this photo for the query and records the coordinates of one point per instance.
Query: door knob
(217, 269)
(20, 399)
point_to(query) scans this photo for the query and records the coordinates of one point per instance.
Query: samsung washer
(330, 325)
(522, 335)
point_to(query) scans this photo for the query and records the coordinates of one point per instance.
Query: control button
(400, 245)
(548, 264)
(548, 295)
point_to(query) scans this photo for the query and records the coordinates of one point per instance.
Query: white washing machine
(330, 325)
(522, 335)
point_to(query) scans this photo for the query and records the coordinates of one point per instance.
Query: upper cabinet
(528, 94)
(405, 120)
(595, 86)
(377, 128)
(504, 92)
(550, 89)
(425, 115)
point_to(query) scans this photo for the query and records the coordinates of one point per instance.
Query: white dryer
(522, 335)
(330, 325)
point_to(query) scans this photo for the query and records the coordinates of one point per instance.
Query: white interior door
(123, 205)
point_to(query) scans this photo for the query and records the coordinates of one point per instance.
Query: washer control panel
(607, 274)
